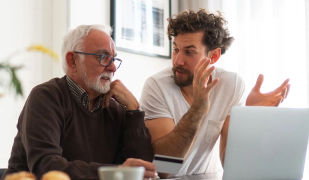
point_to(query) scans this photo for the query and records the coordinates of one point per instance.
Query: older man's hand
(150, 168)
(273, 98)
(121, 94)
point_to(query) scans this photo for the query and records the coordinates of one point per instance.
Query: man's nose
(178, 59)
(112, 67)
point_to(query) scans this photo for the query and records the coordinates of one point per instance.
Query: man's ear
(215, 55)
(71, 61)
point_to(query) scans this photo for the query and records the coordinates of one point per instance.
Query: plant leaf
(15, 82)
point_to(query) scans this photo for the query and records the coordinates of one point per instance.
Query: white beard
(96, 84)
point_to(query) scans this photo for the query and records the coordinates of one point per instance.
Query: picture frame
(140, 26)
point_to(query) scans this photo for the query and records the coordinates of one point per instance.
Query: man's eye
(176, 50)
(189, 52)
(106, 58)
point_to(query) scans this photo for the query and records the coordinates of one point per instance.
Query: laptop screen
(266, 143)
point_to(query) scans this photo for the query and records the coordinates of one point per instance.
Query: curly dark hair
(216, 35)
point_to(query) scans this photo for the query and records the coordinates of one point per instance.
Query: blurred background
(271, 38)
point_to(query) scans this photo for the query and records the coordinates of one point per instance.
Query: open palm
(273, 98)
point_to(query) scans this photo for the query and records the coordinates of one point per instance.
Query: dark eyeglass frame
(101, 56)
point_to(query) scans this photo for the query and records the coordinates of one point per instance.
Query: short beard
(96, 84)
(183, 83)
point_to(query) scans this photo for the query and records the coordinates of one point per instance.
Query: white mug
(121, 173)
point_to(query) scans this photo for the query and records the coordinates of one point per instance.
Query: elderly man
(188, 106)
(83, 120)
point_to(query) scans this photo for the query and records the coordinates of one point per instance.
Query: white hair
(73, 40)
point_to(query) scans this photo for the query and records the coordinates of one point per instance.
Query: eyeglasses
(105, 60)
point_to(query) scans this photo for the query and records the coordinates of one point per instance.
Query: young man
(63, 125)
(187, 107)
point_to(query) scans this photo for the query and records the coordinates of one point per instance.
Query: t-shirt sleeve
(239, 95)
(153, 101)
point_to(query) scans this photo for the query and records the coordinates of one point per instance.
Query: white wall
(45, 22)
(23, 23)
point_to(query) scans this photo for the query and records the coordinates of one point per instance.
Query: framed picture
(140, 26)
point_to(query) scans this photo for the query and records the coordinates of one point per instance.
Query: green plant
(12, 70)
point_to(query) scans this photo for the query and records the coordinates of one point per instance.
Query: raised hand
(121, 94)
(202, 87)
(273, 98)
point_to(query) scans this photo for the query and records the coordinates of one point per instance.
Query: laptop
(266, 143)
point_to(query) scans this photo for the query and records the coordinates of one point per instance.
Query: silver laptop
(266, 143)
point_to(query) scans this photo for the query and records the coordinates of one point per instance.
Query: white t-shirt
(162, 98)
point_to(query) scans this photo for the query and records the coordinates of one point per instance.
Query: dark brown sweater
(55, 132)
